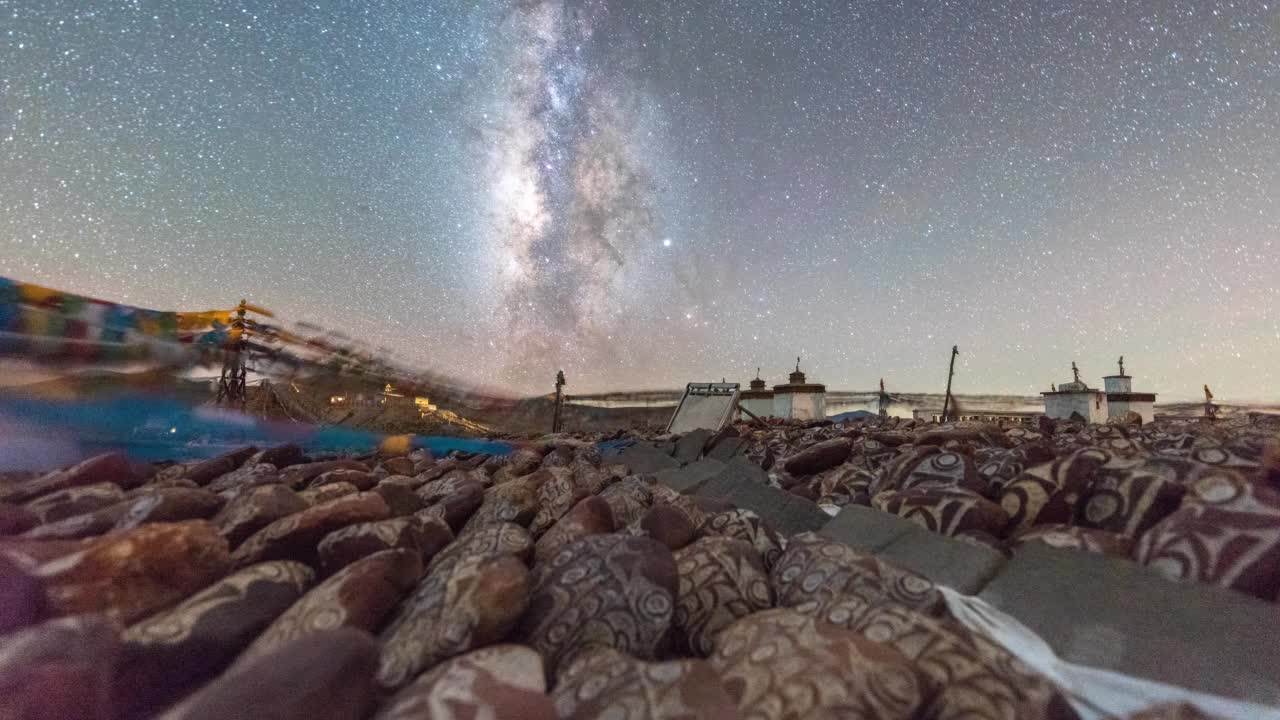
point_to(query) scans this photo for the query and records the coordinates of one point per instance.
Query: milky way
(647, 193)
(572, 196)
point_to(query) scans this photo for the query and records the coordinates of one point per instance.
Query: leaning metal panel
(704, 405)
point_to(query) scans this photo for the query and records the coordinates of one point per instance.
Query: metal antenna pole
(946, 402)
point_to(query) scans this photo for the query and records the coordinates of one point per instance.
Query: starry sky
(648, 192)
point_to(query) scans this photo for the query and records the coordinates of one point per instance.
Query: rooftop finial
(1075, 370)
(797, 363)
(1122, 365)
(757, 373)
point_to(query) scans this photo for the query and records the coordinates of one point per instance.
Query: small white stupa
(798, 399)
(758, 400)
(1121, 398)
(1076, 398)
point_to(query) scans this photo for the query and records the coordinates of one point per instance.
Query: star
(870, 182)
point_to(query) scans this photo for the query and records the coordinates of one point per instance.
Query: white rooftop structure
(1076, 398)
(798, 399)
(1122, 399)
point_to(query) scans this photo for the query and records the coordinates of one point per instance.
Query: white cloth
(1095, 694)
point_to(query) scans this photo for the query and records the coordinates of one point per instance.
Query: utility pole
(555, 419)
(231, 385)
(946, 402)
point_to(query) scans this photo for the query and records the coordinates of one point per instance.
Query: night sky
(657, 191)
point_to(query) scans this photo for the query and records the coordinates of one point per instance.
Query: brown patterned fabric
(328, 493)
(816, 574)
(1077, 538)
(1227, 532)
(169, 653)
(1127, 502)
(132, 574)
(360, 479)
(666, 524)
(295, 537)
(325, 675)
(60, 670)
(153, 505)
(1242, 454)
(499, 682)
(746, 525)
(15, 519)
(685, 504)
(629, 498)
(238, 481)
(361, 596)
(111, 468)
(999, 466)
(397, 466)
(297, 476)
(1268, 472)
(846, 486)
(458, 507)
(558, 492)
(75, 501)
(604, 683)
(458, 607)
(780, 665)
(516, 501)
(721, 580)
(949, 512)
(929, 467)
(1050, 492)
(437, 490)
(591, 516)
(346, 545)
(523, 461)
(604, 590)
(818, 457)
(254, 509)
(971, 676)
(871, 454)
(398, 492)
(490, 541)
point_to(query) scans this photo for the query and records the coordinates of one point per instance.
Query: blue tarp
(38, 433)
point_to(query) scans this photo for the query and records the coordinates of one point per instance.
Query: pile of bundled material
(1193, 500)
(550, 583)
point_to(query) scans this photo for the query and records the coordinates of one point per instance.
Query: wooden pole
(752, 415)
(946, 402)
(555, 419)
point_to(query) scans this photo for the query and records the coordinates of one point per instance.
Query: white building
(1076, 399)
(798, 399)
(1122, 399)
(758, 400)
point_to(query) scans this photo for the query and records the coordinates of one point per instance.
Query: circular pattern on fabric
(1102, 506)
(1211, 455)
(946, 461)
(656, 603)
(1216, 489)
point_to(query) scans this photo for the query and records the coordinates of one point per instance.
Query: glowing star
(666, 242)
